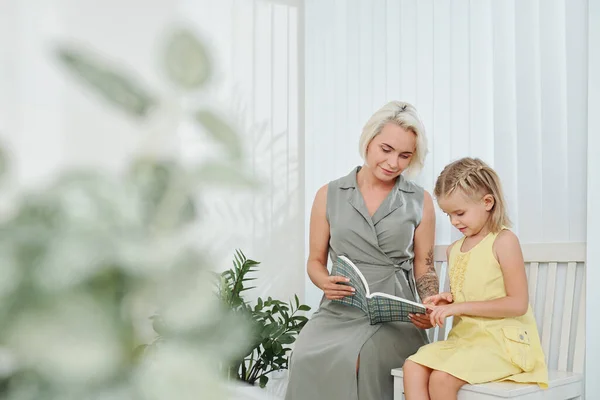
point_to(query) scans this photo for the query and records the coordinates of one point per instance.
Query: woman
(385, 225)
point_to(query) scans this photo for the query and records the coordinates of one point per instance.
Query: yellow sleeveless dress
(481, 349)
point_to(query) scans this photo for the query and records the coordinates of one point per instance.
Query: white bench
(556, 277)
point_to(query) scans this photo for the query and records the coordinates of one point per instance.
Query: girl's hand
(334, 290)
(439, 299)
(439, 313)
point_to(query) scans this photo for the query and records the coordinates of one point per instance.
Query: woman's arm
(426, 279)
(318, 249)
(516, 302)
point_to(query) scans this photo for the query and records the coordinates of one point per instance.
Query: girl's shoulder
(505, 241)
(451, 246)
(505, 237)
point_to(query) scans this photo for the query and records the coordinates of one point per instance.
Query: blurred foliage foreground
(83, 259)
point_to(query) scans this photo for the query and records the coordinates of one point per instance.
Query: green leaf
(186, 61)
(277, 349)
(116, 87)
(297, 300)
(286, 339)
(221, 132)
(263, 381)
(304, 307)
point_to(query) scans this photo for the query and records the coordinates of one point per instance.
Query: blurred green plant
(275, 324)
(85, 258)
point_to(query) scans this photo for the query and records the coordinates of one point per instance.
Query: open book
(380, 307)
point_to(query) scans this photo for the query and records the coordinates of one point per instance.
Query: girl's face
(390, 152)
(468, 215)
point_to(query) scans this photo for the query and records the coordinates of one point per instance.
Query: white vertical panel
(262, 100)
(442, 107)
(392, 51)
(408, 51)
(328, 123)
(481, 91)
(312, 181)
(460, 130)
(592, 363)
(339, 48)
(425, 90)
(528, 149)
(295, 115)
(504, 102)
(553, 120)
(460, 77)
(365, 61)
(222, 15)
(241, 55)
(280, 162)
(379, 56)
(355, 119)
(577, 89)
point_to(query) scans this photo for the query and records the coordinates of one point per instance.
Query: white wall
(503, 81)
(257, 48)
(51, 122)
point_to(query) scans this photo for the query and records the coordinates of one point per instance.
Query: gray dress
(323, 363)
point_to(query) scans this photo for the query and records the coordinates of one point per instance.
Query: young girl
(494, 336)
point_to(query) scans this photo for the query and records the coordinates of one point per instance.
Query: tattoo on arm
(428, 284)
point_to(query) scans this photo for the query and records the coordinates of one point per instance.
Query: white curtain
(505, 81)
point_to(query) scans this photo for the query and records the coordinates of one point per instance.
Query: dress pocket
(518, 347)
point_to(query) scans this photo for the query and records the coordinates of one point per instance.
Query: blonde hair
(404, 115)
(474, 178)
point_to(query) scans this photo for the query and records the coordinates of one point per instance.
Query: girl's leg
(443, 386)
(416, 381)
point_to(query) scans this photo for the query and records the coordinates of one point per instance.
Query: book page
(344, 267)
(388, 309)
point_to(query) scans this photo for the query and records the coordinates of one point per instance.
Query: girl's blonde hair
(402, 114)
(475, 179)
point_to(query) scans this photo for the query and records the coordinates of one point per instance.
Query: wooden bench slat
(532, 282)
(548, 309)
(579, 353)
(563, 355)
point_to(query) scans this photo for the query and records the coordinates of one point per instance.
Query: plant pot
(275, 389)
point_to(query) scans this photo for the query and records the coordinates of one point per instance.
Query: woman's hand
(439, 299)
(439, 313)
(334, 289)
(421, 321)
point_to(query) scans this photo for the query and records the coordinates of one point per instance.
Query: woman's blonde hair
(475, 179)
(402, 114)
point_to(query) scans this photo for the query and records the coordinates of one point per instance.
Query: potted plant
(275, 324)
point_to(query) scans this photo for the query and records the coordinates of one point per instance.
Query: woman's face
(390, 152)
